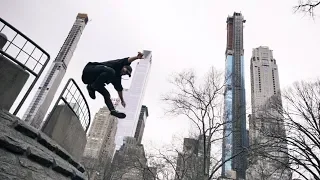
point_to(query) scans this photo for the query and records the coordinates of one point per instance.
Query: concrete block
(64, 127)
(12, 80)
(3, 40)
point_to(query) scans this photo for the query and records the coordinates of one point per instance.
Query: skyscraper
(98, 153)
(235, 106)
(130, 162)
(100, 128)
(134, 97)
(42, 100)
(190, 164)
(265, 86)
(141, 123)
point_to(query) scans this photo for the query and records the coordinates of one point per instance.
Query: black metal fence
(72, 96)
(24, 52)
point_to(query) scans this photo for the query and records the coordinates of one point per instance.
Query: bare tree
(307, 6)
(300, 115)
(201, 102)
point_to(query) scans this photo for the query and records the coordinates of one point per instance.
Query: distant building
(190, 162)
(265, 87)
(100, 146)
(42, 100)
(141, 123)
(130, 163)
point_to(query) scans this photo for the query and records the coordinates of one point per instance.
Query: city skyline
(207, 29)
(43, 98)
(172, 47)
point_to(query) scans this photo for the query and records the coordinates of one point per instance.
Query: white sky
(180, 33)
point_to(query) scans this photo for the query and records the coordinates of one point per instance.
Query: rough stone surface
(62, 167)
(39, 156)
(77, 175)
(46, 141)
(24, 156)
(12, 144)
(25, 129)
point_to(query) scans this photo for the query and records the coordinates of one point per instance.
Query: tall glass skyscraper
(134, 97)
(235, 132)
(42, 100)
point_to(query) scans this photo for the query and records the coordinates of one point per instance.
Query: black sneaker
(118, 114)
(91, 91)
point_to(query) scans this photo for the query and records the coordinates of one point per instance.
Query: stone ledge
(62, 168)
(39, 156)
(77, 175)
(81, 168)
(46, 141)
(12, 144)
(25, 129)
(62, 153)
(6, 117)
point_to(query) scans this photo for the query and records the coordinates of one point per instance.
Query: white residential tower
(42, 100)
(134, 97)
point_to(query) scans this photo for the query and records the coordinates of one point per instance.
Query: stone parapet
(27, 153)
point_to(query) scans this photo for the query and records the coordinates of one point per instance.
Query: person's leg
(106, 95)
(95, 76)
(105, 74)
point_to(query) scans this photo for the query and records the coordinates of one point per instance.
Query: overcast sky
(180, 33)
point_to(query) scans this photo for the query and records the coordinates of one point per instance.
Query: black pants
(97, 75)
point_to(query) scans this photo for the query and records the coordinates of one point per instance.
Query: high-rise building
(235, 133)
(190, 162)
(42, 100)
(130, 162)
(98, 153)
(134, 97)
(141, 123)
(265, 87)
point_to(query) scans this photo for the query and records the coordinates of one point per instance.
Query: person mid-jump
(97, 74)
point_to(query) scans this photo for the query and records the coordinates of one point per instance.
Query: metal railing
(24, 52)
(72, 96)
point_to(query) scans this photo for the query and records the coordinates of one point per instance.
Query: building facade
(190, 162)
(134, 97)
(265, 87)
(141, 123)
(235, 106)
(42, 100)
(98, 153)
(130, 163)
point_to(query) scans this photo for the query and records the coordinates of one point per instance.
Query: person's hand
(123, 103)
(140, 55)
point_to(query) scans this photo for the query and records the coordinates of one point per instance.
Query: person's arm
(118, 86)
(131, 59)
(139, 56)
(121, 96)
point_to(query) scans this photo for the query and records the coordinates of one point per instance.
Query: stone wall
(28, 154)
